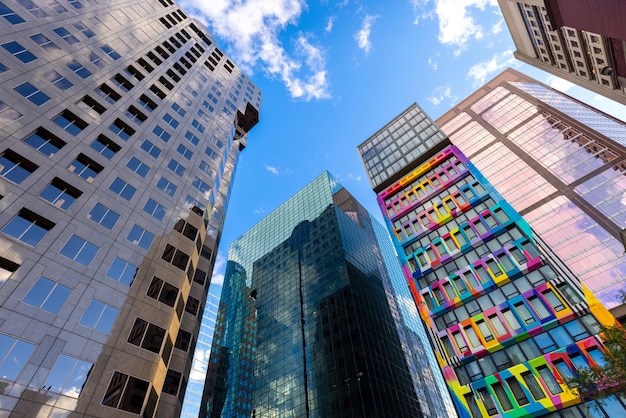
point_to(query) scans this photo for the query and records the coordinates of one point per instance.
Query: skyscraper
(121, 127)
(569, 162)
(508, 322)
(308, 321)
(581, 41)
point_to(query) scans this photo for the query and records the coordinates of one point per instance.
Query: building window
(539, 308)
(186, 229)
(19, 52)
(121, 129)
(79, 250)
(144, 64)
(175, 257)
(110, 52)
(138, 167)
(122, 82)
(549, 379)
(161, 133)
(184, 151)
(129, 394)
(183, 340)
(79, 69)
(58, 80)
(32, 93)
(12, 17)
(7, 268)
(122, 271)
(147, 103)
(103, 216)
(85, 167)
(154, 209)
(147, 336)
(68, 376)
(70, 122)
(200, 127)
(176, 167)
(60, 194)
(490, 405)
(96, 60)
(105, 146)
(192, 305)
(135, 73)
(166, 186)
(172, 382)
(533, 386)
(157, 91)
(43, 41)
(205, 188)
(163, 292)
(108, 93)
(99, 316)
(84, 30)
(47, 295)
(150, 148)
(170, 120)
(122, 188)
(66, 35)
(192, 138)
(28, 227)
(15, 353)
(44, 142)
(140, 237)
(182, 112)
(135, 115)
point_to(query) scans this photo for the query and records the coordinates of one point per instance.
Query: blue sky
(334, 72)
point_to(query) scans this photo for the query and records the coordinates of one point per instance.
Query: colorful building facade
(508, 321)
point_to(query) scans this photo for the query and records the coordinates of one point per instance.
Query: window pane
(13, 356)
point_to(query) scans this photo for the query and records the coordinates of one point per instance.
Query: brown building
(581, 41)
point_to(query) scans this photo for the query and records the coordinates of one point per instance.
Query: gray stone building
(121, 123)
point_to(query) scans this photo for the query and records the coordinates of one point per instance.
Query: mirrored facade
(121, 124)
(309, 322)
(560, 163)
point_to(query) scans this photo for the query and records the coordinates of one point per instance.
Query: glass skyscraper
(561, 164)
(308, 320)
(121, 123)
(508, 322)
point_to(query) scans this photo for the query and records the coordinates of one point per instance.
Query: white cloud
(362, 37)
(479, 72)
(440, 94)
(271, 169)
(218, 270)
(252, 29)
(433, 64)
(457, 23)
(497, 28)
(354, 177)
(559, 84)
(259, 211)
(330, 23)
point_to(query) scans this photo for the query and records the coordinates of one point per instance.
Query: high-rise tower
(569, 161)
(508, 322)
(581, 41)
(309, 319)
(121, 126)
